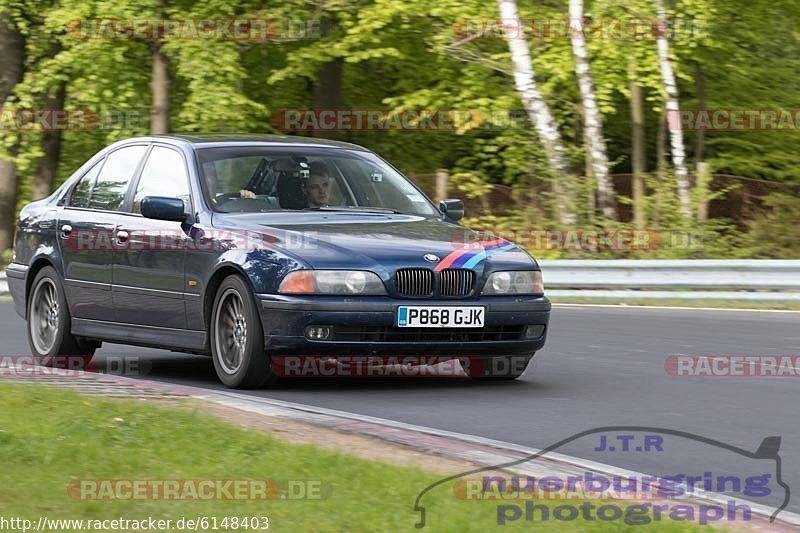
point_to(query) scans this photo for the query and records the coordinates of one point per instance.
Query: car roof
(215, 140)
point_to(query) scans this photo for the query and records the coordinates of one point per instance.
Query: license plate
(409, 316)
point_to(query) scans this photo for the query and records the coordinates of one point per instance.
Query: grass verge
(50, 438)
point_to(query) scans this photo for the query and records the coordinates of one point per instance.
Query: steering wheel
(230, 202)
(223, 198)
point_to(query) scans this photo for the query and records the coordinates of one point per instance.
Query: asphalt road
(601, 367)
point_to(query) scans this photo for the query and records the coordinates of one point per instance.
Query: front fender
(263, 269)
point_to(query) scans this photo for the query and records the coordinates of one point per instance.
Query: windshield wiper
(357, 209)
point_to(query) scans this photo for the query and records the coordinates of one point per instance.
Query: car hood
(377, 241)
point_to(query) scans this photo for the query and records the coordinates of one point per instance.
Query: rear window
(108, 192)
(80, 194)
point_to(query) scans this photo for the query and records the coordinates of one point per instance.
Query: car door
(86, 226)
(149, 255)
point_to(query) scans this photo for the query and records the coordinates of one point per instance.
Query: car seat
(289, 189)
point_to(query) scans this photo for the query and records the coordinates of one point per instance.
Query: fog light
(318, 333)
(534, 332)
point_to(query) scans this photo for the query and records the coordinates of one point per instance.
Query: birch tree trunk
(596, 146)
(12, 69)
(673, 111)
(537, 109)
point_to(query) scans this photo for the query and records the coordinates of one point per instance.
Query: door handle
(66, 229)
(121, 237)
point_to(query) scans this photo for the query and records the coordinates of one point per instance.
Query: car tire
(498, 368)
(49, 325)
(237, 338)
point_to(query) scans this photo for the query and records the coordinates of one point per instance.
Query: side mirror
(452, 210)
(164, 208)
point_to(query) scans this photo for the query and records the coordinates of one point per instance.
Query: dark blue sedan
(258, 250)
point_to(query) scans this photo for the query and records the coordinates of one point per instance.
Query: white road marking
(623, 306)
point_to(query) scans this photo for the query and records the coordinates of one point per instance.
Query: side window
(164, 174)
(80, 194)
(108, 192)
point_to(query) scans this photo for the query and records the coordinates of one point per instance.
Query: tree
(45, 87)
(532, 97)
(638, 138)
(672, 106)
(593, 124)
(536, 107)
(159, 84)
(47, 166)
(12, 69)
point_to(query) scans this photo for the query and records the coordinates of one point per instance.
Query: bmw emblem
(431, 258)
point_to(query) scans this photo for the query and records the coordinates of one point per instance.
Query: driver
(317, 187)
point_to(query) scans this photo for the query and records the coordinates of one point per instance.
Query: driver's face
(316, 190)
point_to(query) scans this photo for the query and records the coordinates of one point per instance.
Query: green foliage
(414, 55)
(471, 185)
(775, 232)
(5, 258)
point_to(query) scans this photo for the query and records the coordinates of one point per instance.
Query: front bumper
(285, 319)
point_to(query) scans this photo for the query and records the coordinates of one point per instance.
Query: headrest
(297, 166)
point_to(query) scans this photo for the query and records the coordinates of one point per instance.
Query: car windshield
(260, 179)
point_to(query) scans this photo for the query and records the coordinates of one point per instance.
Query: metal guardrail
(751, 279)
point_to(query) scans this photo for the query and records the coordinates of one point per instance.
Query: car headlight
(332, 282)
(518, 282)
